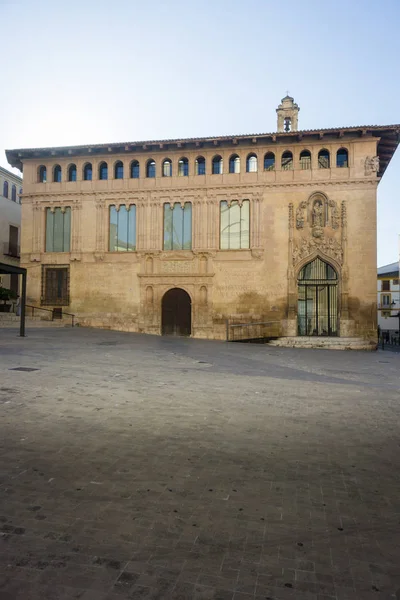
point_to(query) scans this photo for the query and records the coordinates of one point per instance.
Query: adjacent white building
(388, 297)
(10, 224)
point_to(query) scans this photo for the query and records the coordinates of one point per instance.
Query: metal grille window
(55, 286)
(323, 159)
(305, 160)
(58, 229)
(287, 161)
(235, 225)
(123, 228)
(317, 299)
(178, 226)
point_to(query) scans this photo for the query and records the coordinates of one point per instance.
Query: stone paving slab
(135, 466)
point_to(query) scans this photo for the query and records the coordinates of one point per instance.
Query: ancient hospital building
(179, 236)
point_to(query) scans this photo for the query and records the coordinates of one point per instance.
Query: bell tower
(288, 115)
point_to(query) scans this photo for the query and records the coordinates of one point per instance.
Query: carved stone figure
(300, 218)
(371, 165)
(318, 214)
(335, 214)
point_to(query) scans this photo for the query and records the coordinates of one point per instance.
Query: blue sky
(96, 71)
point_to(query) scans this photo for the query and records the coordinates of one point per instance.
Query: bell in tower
(288, 115)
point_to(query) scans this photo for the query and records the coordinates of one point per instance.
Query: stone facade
(296, 214)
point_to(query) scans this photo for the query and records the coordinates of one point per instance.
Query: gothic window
(178, 226)
(251, 163)
(42, 174)
(87, 172)
(167, 168)
(57, 174)
(103, 171)
(323, 159)
(72, 173)
(119, 170)
(235, 225)
(183, 167)
(5, 189)
(342, 158)
(305, 160)
(269, 161)
(55, 286)
(150, 168)
(14, 193)
(200, 165)
(58, 229)
(287, 161)
(234, 164)
(122, 228)
(217, 165)
(135, 171)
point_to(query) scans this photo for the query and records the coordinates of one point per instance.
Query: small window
(103, 171)
(386, 285)
(269, 161)
(234, 164)
(119, 170)
(72, 173)
(123, 228)
(14, 193)
(135, 171)
(235, 225)
(55, 286)
(183, 167)
(150, 168)
(395, 282)
(42, 174)
(167, 168)
(323, 159)
(5, 189)
(87, 172)
(342, 158)
(178, 226)
(251, 163)
(58, 229)
(217, 165)
(305, 160)
(57, 174)
(200, 165)
(287, 161)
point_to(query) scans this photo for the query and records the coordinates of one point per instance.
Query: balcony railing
(11, 249)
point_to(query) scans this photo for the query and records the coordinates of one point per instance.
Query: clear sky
(101, 71)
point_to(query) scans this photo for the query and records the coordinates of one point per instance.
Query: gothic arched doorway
(176, 313)
(317, 306)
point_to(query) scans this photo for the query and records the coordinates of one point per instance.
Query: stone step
(330, 343)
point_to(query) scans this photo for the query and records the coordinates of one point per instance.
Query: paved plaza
(135, 466)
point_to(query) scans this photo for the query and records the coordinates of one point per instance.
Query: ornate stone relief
(300, 215)
(328, 246)
(371, 165)
(318, 212)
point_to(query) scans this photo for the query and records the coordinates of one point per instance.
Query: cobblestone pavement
(135, 466)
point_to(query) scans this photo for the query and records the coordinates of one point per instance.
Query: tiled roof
(389, 269)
